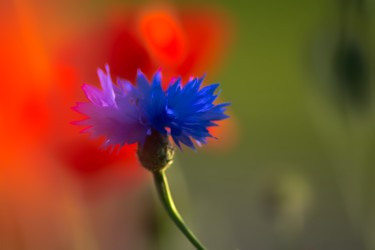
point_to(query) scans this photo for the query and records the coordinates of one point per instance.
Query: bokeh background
(294, 166)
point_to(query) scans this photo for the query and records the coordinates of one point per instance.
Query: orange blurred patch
(162, 35)
(227, 133)
(34, 115)
(34, 55)
(187, 42)
(25, 81)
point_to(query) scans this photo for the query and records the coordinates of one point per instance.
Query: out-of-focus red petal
(187, 42)
(124, 52)
(86, 157)
(163, 36)
(26, 80)
(114, 42)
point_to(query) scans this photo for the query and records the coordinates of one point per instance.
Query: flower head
(127, 114)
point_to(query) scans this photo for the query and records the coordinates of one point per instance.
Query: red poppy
(36, 105)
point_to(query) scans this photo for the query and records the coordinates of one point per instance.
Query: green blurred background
(302, 175)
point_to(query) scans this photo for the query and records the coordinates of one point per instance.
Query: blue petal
(190, 111)
(142, 82)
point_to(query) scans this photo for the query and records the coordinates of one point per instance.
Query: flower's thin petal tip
(199, 143)
(78, 108)
(203, 77)
(100, 72)
(158, 74)
(140, 72)
(156, 80)
(194, 149)
(142, 80)
(74, 108)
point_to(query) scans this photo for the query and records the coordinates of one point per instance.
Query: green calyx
(156, 153)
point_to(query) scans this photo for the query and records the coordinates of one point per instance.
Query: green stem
(165, 196)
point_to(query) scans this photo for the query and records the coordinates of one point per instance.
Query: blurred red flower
(46, 82)
(45, 61)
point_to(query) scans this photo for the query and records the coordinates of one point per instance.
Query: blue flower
(127, 114)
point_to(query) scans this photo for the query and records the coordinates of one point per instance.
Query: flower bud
(156, 153)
